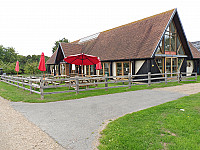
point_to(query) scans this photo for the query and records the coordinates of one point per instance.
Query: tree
(8, 54)
(57, 43)
(31, 68)
(9, 68)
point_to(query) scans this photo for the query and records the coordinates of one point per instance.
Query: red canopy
(42, 63)
(81, 59)
(98, 66)
(17, 66)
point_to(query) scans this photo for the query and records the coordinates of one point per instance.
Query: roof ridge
(71, 43)
(172, 10)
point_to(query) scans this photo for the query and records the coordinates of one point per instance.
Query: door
(171, 65)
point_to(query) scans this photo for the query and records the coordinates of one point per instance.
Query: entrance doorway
(171, 65)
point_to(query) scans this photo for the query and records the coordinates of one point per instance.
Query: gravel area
(191, 88)
(17, 133)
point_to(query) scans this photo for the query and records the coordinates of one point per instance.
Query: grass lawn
(17, 94)
(160, 127)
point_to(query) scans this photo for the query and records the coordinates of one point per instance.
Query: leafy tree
(29, 64)
(57, 43)
(9, 68)
(32, 68)
(1, 64)
(7, 55)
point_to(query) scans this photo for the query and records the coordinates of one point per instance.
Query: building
(156, 44)
(196, 45)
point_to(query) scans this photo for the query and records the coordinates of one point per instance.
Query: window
(179, 47)
(159, 62)
(105, 68)
(123, 68)
(90, 69)
(170, 44)
(160, 49)
(119, 69)
(126, 68)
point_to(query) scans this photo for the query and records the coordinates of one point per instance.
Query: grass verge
(160, 127)
(17, 94)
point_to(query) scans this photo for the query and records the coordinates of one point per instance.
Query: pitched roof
(195, 52)
(68, 49)
(71, 49)
(51, 60)
(134, 40)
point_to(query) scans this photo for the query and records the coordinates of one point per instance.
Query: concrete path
(75, 123)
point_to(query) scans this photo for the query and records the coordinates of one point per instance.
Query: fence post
(23, 83)
(106, 83)
(77, 85)
(165, 77)
(149, 78)
(196, 76)
(129, 80)
(30, 82)
(41, 88)
(179, 77)
(13, 79)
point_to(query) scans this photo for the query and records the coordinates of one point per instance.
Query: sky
(33, 26)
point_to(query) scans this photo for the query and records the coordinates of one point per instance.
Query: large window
(170, 44)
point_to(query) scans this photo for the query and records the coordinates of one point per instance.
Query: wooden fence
(38, 85)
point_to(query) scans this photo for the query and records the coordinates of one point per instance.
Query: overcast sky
(32, 26)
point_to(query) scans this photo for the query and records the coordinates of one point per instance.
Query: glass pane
(179, 47)
(159, 50)
(180, 61)
(126, 68)
(87, 70)
(173, 43)
(172, 28)
(168, 65)
(181, 52)
(119, 69)
(166, 42)
(101, 70)
(174, 65)
(178, 42)
(91, 69)
(106, 68)
(159, 62)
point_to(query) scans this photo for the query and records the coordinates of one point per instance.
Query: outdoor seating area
(65, 84)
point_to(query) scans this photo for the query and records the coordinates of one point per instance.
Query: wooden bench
(55, 83)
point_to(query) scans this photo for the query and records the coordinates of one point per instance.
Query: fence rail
(38, 85)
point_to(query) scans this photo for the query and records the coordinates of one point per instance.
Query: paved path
(17, 133)
(75, 123)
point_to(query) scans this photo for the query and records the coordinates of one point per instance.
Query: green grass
(13, 93)
(159, 127)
